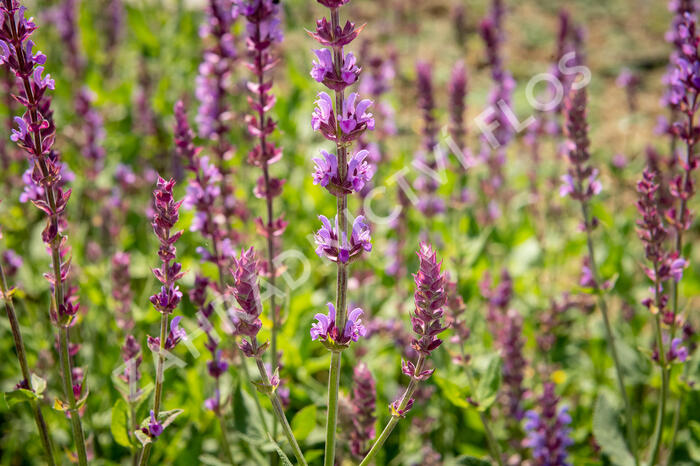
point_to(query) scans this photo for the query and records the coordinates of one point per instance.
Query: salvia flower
(121, 290)
(324, 70)
(175, 335)
(155, 429)
(246, 318)
(325, 328)
(359, 172)
(336, 250)
(581, 181)
(354, 118)
(11, 262)
(363, 402)
(342, 36)
(429, 204)
(548, 431)
(430, 298)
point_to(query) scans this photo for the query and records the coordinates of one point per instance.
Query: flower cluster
(500, 99)
(324, 70)
(93, 132)
(581, 181)
(175, 335)
(358, 174)
(131, 355)
(121, 290)
(202, 193)
(665, 266)
(325, 328)
(684, 95)
(429, 298)
(336, 250)
(457, 90)
(246, 318)
(354, 119)
(429, 203)
(217, 366)
(213, 87)
(363, 401)
(164, 219)
(548, 431)
(215, 69)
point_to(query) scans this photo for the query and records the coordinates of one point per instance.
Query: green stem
(224, 440)
(146, 451)
(676, 418)
(279, 412)
(68, 393)
(254, 393)
(661, 412)
(24, 366)
(610, 337)
(395, 417)
(332, 417)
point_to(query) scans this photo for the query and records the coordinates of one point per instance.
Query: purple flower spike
(246, 319)
(430, 297)
(325, 328)
(364, 398)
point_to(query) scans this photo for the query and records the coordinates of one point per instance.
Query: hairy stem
(342, 277)
(661, 411)
(279, 412)
(58, 285)
(610, 337)
(24, 366)
(395, 417)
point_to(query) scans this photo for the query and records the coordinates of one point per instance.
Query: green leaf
(472, 461)
(490, 383)
(165, 418)
(39, 385)
(19, 396)
(607, 432)
(452, 391)
(120, 423)
(283, 456)
(304, 422)
(142, 437)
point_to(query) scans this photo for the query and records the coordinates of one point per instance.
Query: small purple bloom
(325, 327)
(328, 243)
(154, 427)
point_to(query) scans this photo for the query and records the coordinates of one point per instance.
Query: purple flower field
(349, 232)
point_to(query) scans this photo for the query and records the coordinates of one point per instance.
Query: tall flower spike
(246, 318)
(429, 204)
(203, 194)
(121, 290)
(165, 216)
(363, 401)
(430, 298)
(35, 134)
(264, 31)
(213, 86)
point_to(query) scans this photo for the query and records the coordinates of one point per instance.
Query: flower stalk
(581, 184)
(340, 120)
(35, 135)
(26, 383)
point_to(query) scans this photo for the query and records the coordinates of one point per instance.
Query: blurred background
(121, 65)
